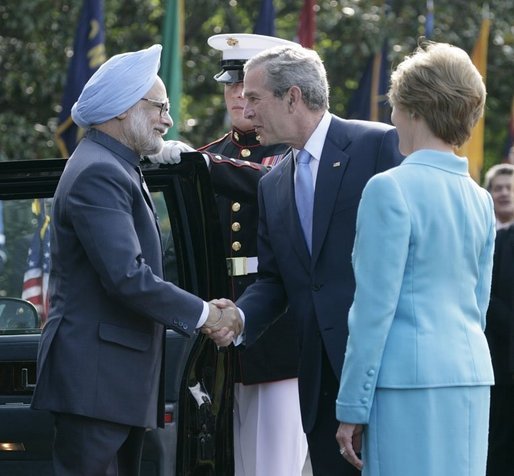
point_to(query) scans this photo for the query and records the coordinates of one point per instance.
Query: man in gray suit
(100, 361)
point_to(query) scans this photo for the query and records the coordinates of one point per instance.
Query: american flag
(35, 279)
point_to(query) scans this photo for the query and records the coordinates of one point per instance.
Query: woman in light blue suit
(414, 393)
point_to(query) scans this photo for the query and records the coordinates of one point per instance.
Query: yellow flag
(473, 149)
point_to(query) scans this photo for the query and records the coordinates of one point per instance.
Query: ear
(295, 96)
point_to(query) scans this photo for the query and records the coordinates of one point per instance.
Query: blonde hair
(439, 83)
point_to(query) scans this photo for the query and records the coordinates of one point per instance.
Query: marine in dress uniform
(268, 435)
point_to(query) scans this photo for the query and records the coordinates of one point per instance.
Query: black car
(197, 438)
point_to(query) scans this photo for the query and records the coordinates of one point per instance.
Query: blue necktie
(304, 194)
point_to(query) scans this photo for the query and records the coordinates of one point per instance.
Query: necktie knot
(303, 157)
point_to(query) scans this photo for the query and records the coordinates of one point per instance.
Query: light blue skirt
(427, 432)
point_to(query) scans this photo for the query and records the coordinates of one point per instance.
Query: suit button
(236, 206)
(236, 246)
(364, 401)
(371, 372)
(367, 386)
(236, 226)
(317, 287)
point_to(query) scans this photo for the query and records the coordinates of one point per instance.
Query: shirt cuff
(241, 338)
(203, 316)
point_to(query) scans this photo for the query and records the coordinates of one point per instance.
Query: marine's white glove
(170, 153)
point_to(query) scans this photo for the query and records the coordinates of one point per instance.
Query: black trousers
(501, 431)
(89, 447)
(323, 447)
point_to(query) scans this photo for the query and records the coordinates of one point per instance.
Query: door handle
(25, 380)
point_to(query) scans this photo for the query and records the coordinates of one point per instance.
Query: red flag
(307, 24)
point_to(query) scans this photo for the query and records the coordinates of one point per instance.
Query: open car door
(197, 438)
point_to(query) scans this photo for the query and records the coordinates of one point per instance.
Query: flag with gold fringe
(88, 55)
(369, 101)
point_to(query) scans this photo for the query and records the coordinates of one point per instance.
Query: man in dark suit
(287, 101)
(266, 388)
(100, 360)
(500, 336)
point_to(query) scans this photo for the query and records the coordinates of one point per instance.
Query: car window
(26, 255)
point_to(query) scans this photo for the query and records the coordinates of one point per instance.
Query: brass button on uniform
(246, 153)
(236, 226)
(236, 206)
(236, 246)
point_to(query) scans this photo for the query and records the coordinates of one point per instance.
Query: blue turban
(116, 86)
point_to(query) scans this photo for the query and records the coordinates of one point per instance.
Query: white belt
(242, 265)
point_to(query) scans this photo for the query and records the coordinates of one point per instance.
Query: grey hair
(288, 66)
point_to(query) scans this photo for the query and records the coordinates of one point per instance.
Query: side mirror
(18, 316)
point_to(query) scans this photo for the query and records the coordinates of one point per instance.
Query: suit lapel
(333, 163)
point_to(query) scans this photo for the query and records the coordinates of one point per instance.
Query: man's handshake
(224, 322)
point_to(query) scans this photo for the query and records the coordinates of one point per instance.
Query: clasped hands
(223, 323)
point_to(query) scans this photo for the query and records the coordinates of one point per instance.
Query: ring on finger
(343, 452)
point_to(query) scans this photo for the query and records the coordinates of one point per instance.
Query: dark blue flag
(88, 55)
(429, 20)
(369, 102)
(265, 24)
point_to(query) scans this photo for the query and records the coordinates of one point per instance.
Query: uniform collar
(244, 139)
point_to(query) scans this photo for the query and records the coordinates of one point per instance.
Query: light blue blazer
(423, 261)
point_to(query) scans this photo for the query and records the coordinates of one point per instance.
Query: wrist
(216, 321)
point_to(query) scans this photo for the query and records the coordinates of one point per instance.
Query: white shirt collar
(316, 141)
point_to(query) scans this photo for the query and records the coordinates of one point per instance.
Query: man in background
(499, 182)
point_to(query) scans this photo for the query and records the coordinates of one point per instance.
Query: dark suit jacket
(500, 315)
(320, 289)
(101, 350)
(275, 355)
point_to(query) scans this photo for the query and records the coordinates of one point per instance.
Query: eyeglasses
(163, 106)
